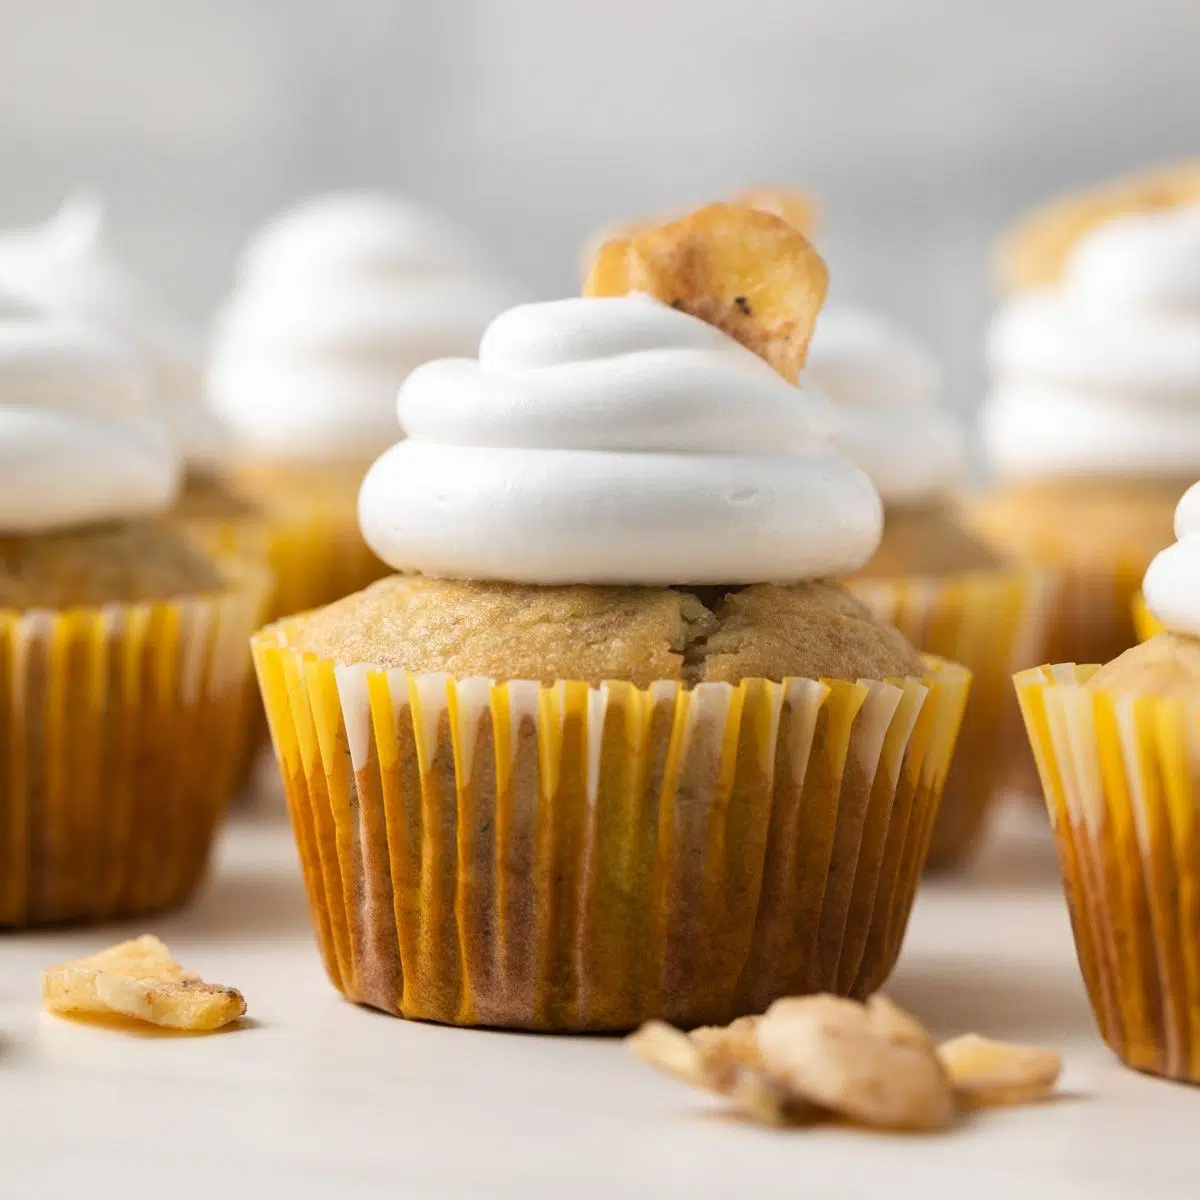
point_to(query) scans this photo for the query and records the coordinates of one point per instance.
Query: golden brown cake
(126, 563)
(581, 762)
(513, 631)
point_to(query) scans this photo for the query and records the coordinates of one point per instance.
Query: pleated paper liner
(315, 554)
(1088, 619)
(1144, 621)
(992, 622)
(566, 857)
(1122, 783)
(120, 730)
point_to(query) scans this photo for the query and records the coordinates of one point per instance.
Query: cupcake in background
(930, 577)
(336, 301)
(122, 642)
(1091, 428)
(66, 267)
(1116, 749)
(620, 749)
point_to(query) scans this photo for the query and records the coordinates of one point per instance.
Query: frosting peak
(1172, 583)
(886, 386)
(615, 441)
(336, 302)
(1101, 373)
(79, 441)
(65, 267)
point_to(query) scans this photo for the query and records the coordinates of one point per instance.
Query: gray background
(923, 125)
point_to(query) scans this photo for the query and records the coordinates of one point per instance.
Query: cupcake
(336, 302)
(612, 746)
(1089, 428)
(1115, 748)
(122, 642)
(67, 268)
(947, 591)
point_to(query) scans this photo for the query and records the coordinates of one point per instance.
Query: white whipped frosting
(336, 302)
(1101, 374)
(65, 267)
(615, 441)
(886, 386)
(1172, 583)
(80, 440)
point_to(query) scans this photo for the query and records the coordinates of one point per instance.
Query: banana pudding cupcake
(122, 660)
(1115, 746)
(945, 589)
(336, 302)
(613, 746)
(1092, 428)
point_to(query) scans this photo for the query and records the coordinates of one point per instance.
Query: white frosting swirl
(886, 387)
(1172, 582)
(336, 302)
(80, 441)
(615, 441)
(65, 267)
(1101, 374)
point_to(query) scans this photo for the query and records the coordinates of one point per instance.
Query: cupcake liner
(993, 623)
(314, 554)
(120, 730)
(1121, 775)
(568, 857)
(1145, 623)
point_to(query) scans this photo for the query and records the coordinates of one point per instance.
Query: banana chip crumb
(814, 1058)
(139, 979)
(986, 1073)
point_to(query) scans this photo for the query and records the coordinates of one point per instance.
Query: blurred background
(923, 127)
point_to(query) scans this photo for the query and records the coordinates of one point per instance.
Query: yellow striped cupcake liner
(568, 857)
(314, 554)
(1121, 776)
(1144, 621)
(120, 733)
(994, 623)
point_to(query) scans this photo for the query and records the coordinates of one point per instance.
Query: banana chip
(747, 272)
(139, 979)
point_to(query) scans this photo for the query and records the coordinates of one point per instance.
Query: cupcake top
(886, 387)
(66, 267)
(1099, 374)
(604, 440)
(336, 302)
(80, 438)
(1172, 583)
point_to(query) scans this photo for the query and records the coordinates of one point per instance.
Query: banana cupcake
(336, 301)
(1091, 427)
(613, 746)
(122, 661)
(947, 591)
(1116, 749)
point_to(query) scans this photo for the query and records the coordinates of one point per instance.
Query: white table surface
(316, 1097)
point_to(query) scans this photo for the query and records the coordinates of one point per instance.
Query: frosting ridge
(1172, 582)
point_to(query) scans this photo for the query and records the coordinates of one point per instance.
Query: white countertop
(318, 1098)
